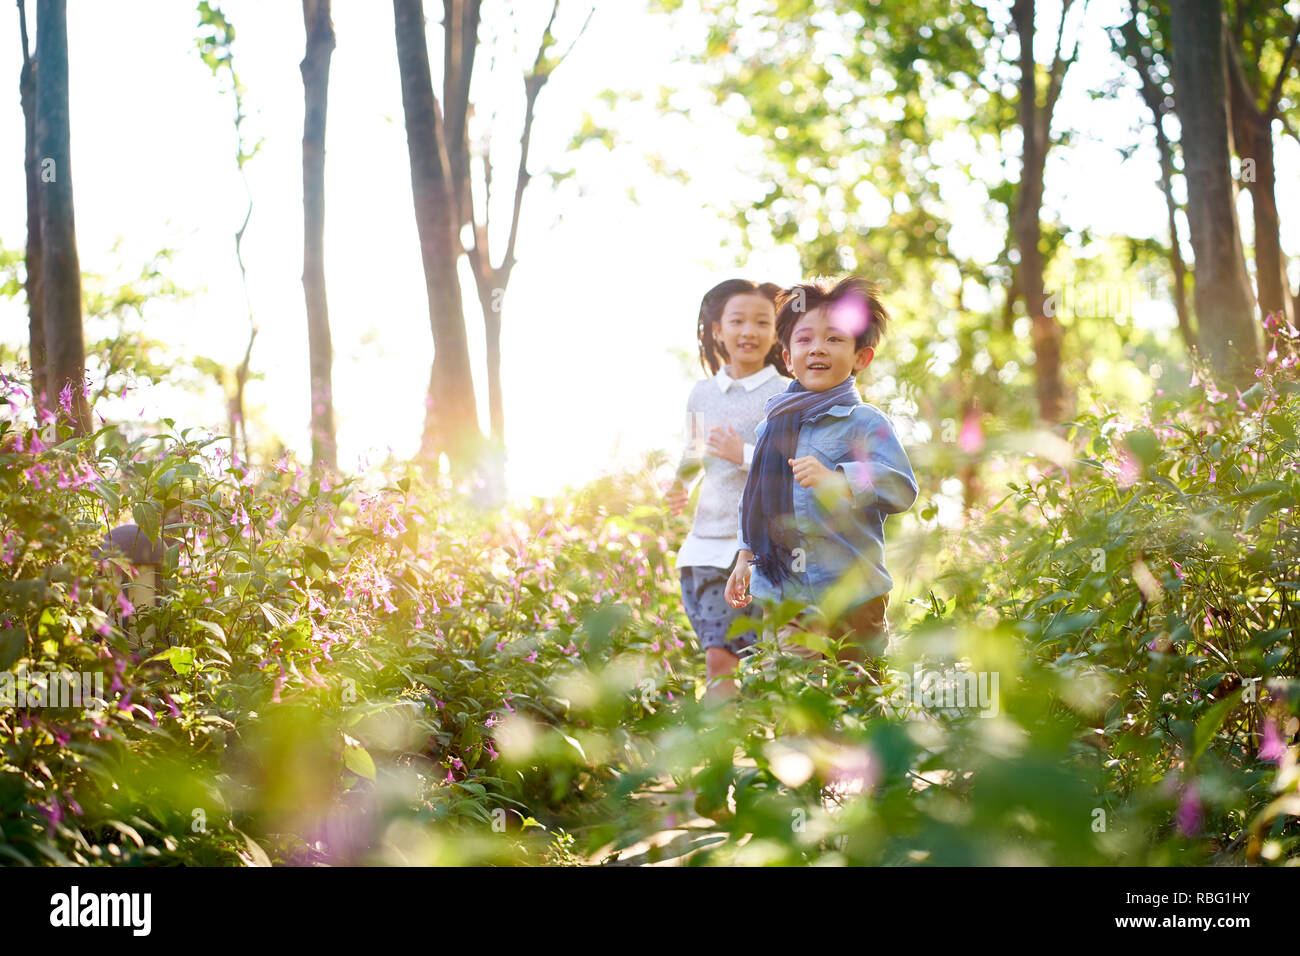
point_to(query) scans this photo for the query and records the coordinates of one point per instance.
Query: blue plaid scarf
(767, 515)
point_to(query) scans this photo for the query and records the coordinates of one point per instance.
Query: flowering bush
(364, 670)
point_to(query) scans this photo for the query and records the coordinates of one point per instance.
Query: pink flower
(1273, 747)
(971, 438)
(531, 657)
(1188, 815)
(124, 604)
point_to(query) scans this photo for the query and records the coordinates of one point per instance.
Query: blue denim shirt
(860, 441)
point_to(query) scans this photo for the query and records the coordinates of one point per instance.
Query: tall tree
(315, 69)
(460, 31)
(1140, 41)
(842, 95)
(31, 169)
(1035, 127)
(60, 269)
(1225, 307)
(216, 43)
(451, 422)
(1254, 102)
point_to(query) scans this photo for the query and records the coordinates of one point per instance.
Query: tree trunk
(315, 69)
(1046, 332)
(1175, 248)
(492, 340)
(460, 44)
(31, 169)
(60, 268)
(1154, 98)
(1224, 306)
(1252, 134)
(451, 424)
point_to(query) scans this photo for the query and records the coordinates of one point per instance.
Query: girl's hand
(727, 444)
(676, 498)
(738, 583)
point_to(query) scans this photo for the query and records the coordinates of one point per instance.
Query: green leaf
(575, 745)
(1209, 725)
(13, 641)
(1145, 445)
(357, 759)
(1262, 509)
(212, 627)
(317, 557)
(146, 516)
(181, 658)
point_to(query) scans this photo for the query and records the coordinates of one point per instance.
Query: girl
(737, 325)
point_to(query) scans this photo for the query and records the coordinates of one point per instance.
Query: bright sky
(603, 303)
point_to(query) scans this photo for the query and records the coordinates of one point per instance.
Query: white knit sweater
(720, 401)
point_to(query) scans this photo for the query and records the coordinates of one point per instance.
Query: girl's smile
(747, 332)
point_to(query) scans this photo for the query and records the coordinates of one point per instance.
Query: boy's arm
(880, 475)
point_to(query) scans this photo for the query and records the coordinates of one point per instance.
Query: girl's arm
(689, 465)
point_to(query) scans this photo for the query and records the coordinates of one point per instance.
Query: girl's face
(747, 332)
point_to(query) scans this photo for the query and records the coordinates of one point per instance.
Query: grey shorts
(705, 601)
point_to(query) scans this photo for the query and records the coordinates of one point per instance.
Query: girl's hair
(712, 352)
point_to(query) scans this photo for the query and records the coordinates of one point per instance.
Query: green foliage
(366, 673)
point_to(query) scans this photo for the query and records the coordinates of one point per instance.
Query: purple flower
(65, 399)
(1273, 747)
(1188, 815)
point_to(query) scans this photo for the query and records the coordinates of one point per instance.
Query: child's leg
(711, 616)
(718, 663)
(867, 633)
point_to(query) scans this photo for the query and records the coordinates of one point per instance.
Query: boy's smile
(821, 352)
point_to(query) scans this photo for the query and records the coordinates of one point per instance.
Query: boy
(827, 470)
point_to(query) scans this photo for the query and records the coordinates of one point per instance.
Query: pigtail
(773, 292)
(709, 348)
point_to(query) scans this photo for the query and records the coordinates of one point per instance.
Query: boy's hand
(810, 472)
(738, 583)
(728, 444)
(676, 498)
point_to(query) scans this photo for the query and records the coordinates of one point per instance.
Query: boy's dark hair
(712, 352)
(798, 300)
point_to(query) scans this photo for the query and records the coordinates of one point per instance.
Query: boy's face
(821, 352)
